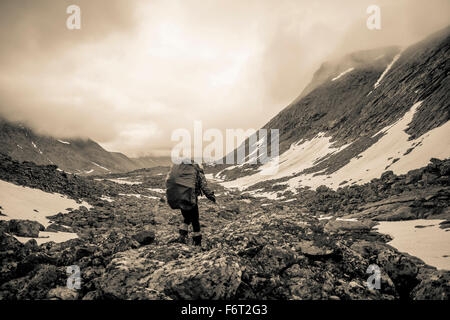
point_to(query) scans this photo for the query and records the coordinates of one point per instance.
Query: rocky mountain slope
(254, 247)
(83, 157)
(361, 148)
(152, 161)
(369, 112)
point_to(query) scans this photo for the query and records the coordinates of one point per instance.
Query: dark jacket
(201, 185)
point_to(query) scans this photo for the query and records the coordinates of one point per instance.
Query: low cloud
(137, 70)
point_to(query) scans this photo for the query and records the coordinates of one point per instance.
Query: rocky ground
(254, 248)
(421, 193)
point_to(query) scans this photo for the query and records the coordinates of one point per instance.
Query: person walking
(184, 184)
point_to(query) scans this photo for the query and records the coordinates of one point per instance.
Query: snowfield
(50, 236)
(390, 150)
(299, 157)
(428, 242)
(33, 204)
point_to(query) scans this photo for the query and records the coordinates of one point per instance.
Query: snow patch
(137, 195)
(122, 181)
(64, 142)
(386, 71)
(347, 219)
(258, 193)
(106, 198)
(300, 156)
(372, 162)
(45, 237)
(19, 202)
(343, 73)
(35, 146)
(430, 244)
(159, 190)
(106, 169)
(211, 177)
(388, 153)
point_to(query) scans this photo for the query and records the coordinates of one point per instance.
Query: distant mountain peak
(79, 156)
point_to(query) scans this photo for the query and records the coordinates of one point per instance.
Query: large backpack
(180, 186)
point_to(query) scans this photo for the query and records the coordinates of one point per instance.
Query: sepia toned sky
(139, 69)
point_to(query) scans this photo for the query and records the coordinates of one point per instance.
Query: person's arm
(204, 186)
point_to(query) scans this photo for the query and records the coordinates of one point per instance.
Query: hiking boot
(197, 240)
(183, 236)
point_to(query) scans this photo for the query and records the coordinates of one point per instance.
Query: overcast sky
(137, 70)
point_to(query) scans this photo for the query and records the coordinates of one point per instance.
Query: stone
(309, 249)
(435, 285)
(402, 213)
(225, 215)
(278, 251)
(347, 225)
(54, 227)
(144, 237)
(413, 176)
(212, 276)
(63, 293)
(429, 178)
(25, 228)
(402, 269)
(271, 260)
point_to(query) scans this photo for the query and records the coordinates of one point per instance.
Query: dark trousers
(191, 216)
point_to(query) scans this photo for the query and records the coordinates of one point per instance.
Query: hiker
(185, 182)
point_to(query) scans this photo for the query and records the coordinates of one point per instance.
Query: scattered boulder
(62, 293)
(55, 227)
(279, 251)
(402, 269)
(444, 224)
(348, 225)
(435, 285)
(225, 215)
(272, 260)
(43, 279)
(402, 213)
(309, 249)
(144, 237)
(25, 228)
(211, 275)
(233, 208)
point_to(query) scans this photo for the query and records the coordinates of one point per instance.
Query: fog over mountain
(138, 70)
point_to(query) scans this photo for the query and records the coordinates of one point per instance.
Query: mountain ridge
(79, 156)
(349, 111)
